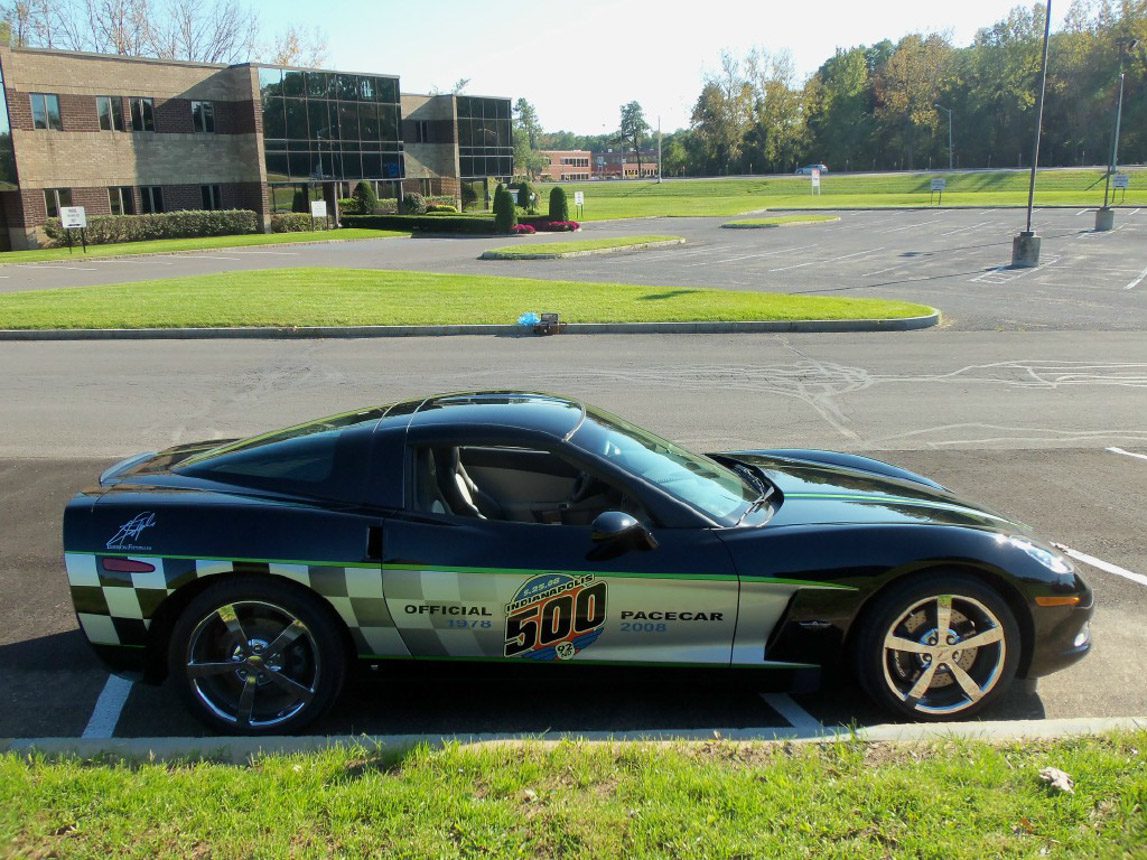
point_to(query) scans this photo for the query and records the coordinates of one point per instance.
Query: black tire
(287, 651)
(903, 667)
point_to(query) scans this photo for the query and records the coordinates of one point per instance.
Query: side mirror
(622, 530)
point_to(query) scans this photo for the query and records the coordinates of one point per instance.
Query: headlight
(1053, 561)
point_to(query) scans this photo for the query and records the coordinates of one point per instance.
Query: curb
(765, 326)
(239, 750)
(593, 252)
(747, 225)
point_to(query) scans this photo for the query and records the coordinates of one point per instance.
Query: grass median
(944, 799)
(780, 221)
(201, 243)
(702, 197)
(557, 250)
(355, 297)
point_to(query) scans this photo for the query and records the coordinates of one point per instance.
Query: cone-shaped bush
(505, 216)
(559, 206)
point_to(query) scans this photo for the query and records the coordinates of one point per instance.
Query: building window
(46, 111)
(152, 198)
(142, 115)
(121, 200)
(212, 197)
(110, 109)
(54, 198)
(422, 131)
(203, 116)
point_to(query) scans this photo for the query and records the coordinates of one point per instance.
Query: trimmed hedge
(505, 215)
(190, 223)
(559, 205)
(423, 223)
(296, 222)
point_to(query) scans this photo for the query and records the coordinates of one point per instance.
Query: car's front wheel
(939, 648)
(254, 655)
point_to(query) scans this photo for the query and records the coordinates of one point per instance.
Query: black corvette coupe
(512, 527)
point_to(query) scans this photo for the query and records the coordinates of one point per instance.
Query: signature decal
(554, 616)
(130, 531)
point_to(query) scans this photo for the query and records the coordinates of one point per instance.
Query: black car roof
(525, 410)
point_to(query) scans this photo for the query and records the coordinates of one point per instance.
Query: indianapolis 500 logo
(554, 616)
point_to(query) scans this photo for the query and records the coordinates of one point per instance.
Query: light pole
(949, 112)
(1105, 217)
(1025, 246)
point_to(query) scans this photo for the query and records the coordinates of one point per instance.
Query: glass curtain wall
(7, 153)
(485, 141)
(328, 127)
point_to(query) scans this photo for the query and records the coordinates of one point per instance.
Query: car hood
(826, 492)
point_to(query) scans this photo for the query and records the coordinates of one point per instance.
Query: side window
(511, 484)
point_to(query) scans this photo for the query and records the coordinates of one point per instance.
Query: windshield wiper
(757, 503)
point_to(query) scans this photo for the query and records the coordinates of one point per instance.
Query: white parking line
(829, 260)
(276, 253)
(42, 266)
(1101, 564)
(151, 262)
(911, 226)
(1137, 281)
(1127, 453)
(1084, 211)
(108, 708)
(798, 717)
(1133, 212)
(207, 257)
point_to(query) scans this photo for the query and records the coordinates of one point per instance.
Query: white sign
(318, 209)
(815, 177)
(939, 184)
(579, 198)
(73, 217)
(1122, 180)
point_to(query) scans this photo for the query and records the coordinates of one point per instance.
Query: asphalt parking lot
(1042, 422)
(954, 259)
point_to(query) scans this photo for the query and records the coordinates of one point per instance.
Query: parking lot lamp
(1105, 217)
(949, 112)
(1025, 246)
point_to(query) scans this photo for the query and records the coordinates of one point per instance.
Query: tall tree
(527, 131)
(298, 47)
(633, 128)
(907, 87)
(778, 107)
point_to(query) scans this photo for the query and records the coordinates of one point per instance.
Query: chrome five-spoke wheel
(939, 649)
(256, 657)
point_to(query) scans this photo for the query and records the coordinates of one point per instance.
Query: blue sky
(579, 61)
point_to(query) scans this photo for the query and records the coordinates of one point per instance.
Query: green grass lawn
(698, 197)
(204, 243)
(781, 221)
(948, 799)
(339, 297)
(553, 250)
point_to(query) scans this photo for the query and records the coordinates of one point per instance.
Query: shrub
(469, 195)
(523, 230)
(559, 205)
(442, 200)
(558, 226)
(386, 206)
(442, 207)
(349, 206)
(296, 222)
(480, 225)
(505, 216)
(526, 196)
(110, 229)
(301, 202)
(367, 199)
(412, 204)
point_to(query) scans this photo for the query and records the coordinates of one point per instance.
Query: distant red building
(567, 165)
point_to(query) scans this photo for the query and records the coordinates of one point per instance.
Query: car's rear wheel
(939, 648)
(257, 656)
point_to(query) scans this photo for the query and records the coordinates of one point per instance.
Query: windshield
(705, 485)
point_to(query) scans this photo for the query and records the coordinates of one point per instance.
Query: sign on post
(1121, 180)
(74, 218)
(318, 210)
(815, 176)
(579, 202)
(938, 186)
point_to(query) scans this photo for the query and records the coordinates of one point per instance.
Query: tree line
(886, 106)
(202, 31)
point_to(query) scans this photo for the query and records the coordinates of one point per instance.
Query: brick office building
(121, 135)
(567, 165)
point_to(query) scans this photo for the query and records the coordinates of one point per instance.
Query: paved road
(954, 259)
(1020, 421)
